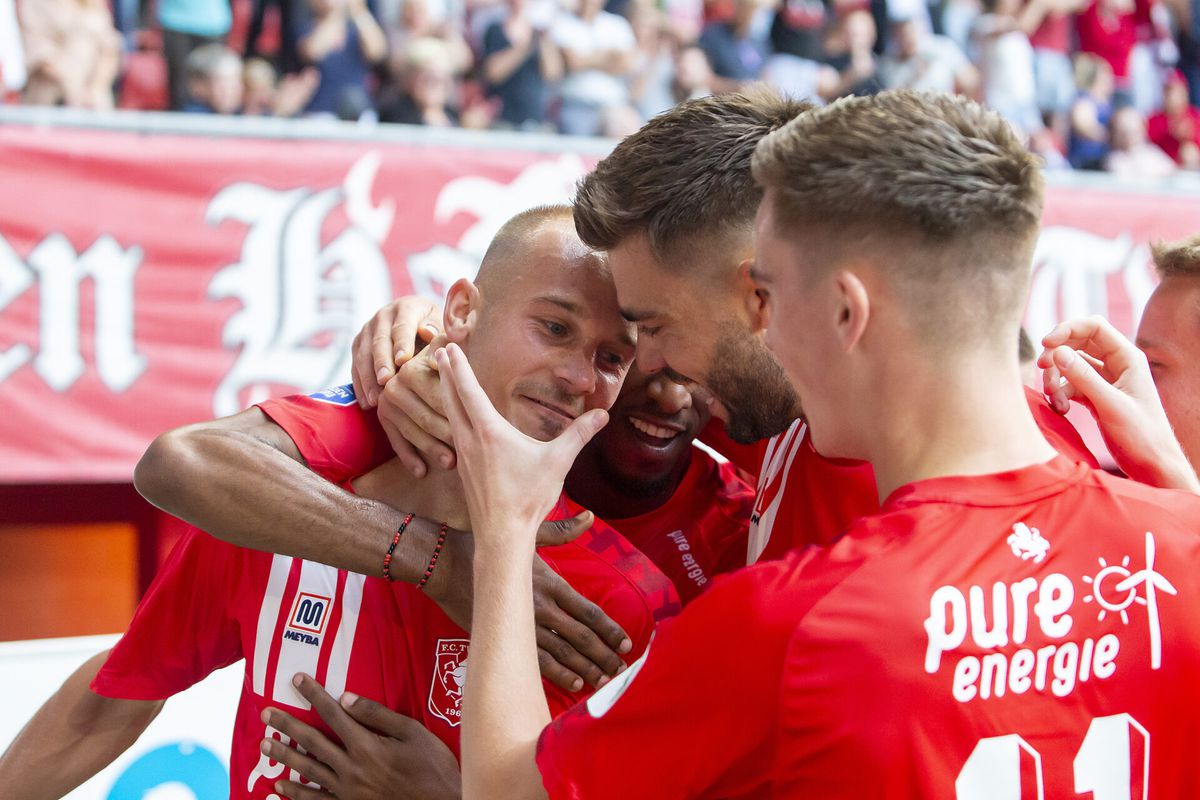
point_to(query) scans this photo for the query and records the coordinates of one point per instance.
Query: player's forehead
(566, 277)
(1172, 315)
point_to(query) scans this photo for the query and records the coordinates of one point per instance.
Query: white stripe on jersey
(298, 656)
(268, 616)
(343, 643)
(777, 460)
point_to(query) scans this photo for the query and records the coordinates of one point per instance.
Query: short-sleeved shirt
(739, 59)
(700, 532)
(213, 604)
(603, 32)
(1108, 38)
(1025, 634)
(695, 535)
(805, 498)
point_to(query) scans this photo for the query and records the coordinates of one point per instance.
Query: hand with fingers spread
(388, 340)
(1090, 362)
(382, 754)
(506, 474)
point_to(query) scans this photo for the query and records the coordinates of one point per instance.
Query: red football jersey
(805, 498)
(1028, 634)
(700, 532)
(213, 604)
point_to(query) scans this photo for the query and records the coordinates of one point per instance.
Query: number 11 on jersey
(1113, 763)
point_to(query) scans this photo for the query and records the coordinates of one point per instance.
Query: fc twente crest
(449, 678)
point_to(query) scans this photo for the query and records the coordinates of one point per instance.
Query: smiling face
(649, 435)
(693, 326)
(543, 332)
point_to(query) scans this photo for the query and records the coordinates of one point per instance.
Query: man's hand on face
(382, 754)
(1089, 361)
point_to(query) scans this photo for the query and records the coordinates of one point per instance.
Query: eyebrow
(636, 315)
(624, 337)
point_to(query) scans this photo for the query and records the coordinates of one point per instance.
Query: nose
(649, 356)
(577, 371)
(671, 397)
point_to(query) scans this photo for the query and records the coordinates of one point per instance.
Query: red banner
(148, 281)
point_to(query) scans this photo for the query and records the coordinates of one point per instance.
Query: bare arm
(242, 480)
(73, 736)
(372, 41)
(328, 35)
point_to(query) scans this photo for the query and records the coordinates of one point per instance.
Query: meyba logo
(307, 621)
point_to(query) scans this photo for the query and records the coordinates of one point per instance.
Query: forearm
(499, 66)
(323, 40)
(231, 483)
(505, 705)
(73, 736)
(371, 38)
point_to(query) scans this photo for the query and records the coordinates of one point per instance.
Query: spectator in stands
(598, 52)
(344, 42)
(850, 52)
(693, 75)
(1047, 23)
(1107, 30)
(926, 62)
(1176, 129)
(214, 80)
(1006, 56)
(1132, 154)
(736, 51)
(1090, 113)
(431, 19)
(186, 25)
(520, 64)
(651, 85)
(425, 92)
(797, 42)
(72, 53)
(266, 95)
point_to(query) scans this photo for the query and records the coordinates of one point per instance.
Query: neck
(970, 420)
(438, 496)
(591, 485)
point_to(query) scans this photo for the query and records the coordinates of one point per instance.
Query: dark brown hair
(685, 176)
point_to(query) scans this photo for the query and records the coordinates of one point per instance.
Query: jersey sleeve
(695, 716)
(183, 629)
(337, 438)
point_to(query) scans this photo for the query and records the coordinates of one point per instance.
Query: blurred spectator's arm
(295, 91)
(832, 85)
(967, 80)
(1085, 123)
(1033, 14)
(326, 35)
(502, 61)
(372, 41)
(550, 58)
(73, 736)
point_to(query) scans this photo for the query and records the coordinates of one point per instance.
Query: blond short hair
(1177, 258)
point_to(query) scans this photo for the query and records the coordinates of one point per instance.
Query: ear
(461, 313)
(753, 300)
(853, 308)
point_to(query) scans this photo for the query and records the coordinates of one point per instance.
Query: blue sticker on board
(194, 766)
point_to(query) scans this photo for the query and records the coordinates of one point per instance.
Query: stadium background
(158, 269)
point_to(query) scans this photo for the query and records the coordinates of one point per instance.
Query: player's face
(694, 327)
(798, 312)
(553, 344)
(650, 429)
(1169, 335)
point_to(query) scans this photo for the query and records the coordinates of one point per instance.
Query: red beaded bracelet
(387, 558)
(437, 551)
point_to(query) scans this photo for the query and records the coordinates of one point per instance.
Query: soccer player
(1011, 624)
(673, 206)
(1143, 397)
(540, 296)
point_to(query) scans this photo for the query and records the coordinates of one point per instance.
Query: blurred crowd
(1095, 84)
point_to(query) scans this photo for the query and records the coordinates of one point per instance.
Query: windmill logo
(1115, 588)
